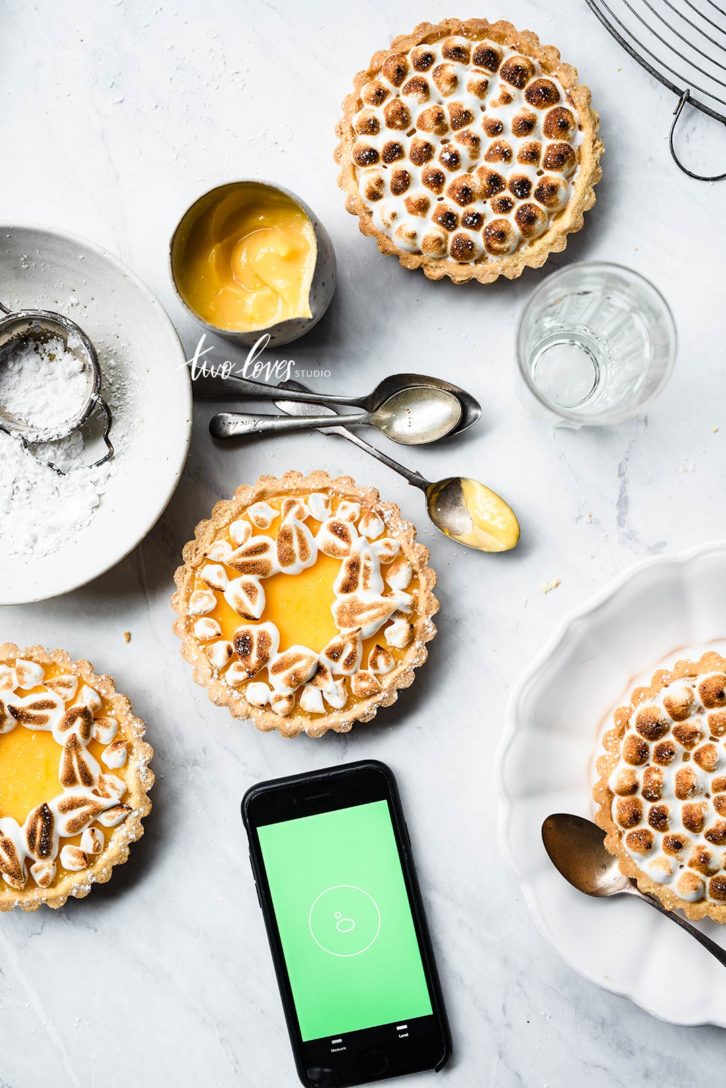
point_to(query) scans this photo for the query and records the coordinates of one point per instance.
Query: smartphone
(335, 879)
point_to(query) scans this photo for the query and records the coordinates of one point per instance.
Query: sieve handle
(5, 310)
(101, 403)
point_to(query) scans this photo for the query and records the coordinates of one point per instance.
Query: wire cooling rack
(680, 42)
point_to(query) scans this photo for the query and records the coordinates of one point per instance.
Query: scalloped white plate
(658, 610)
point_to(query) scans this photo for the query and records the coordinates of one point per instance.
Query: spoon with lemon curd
(463, 509)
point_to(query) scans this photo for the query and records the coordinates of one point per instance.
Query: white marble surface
(113, 117)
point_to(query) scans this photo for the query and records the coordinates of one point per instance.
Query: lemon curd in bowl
(246, 258)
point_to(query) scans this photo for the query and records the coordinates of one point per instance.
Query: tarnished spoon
(215, 387)
(413, 416)
(576, 847)
(462, 509)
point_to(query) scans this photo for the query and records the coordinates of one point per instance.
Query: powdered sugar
(40, 510)
(43, 383)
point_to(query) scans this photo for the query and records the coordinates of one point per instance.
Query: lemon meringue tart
(305, 603)
(74, 777)
(469, 149)
(661, 794)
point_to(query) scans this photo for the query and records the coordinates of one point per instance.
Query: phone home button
(374, 1063)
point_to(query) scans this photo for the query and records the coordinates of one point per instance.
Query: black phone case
(417, 907)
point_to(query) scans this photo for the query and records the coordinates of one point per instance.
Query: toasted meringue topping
(256, 646)
(41, 840)
(246, 596)
(236, 674)
(669, 786)
(240, 532)
(311, 700)
(105, 729)
(399, 573)
(66, 686)
(367, 599)
(219, 653)
(11, 853)
(219, 551)
(90, 698)
(29, 673)
(262, 515)
(335, 538)
(282, 705)
(114, 815)
(258, 693)
(343, 653)
(214, 575)
(43, 873)
(258, 556)
(348, 511)
(368, 613)
(364, 684)
(73, 858)
(371, 524)
(319, 505)
(398, 634)
(292, 668)
(116, 754)
(386, 549)
(294, 509)
(381, 660)
(334, 691)
(296, 549)
(360, 572)
(8, 678)
(206, 628)
(77, 767)
(201, 602)
(110, 787)
(464, 155)
(41, 711)
(92, 841)
(75, 714)
(77, 720)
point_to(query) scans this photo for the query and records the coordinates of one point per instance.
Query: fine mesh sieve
(20, 328)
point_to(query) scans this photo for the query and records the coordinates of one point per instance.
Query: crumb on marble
(127, 636)
(547, 587)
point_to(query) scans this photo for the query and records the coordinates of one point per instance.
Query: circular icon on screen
(344, 920)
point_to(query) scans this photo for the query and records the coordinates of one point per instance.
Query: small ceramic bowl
(323, 281)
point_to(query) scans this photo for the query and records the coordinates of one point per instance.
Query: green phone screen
(344, 918)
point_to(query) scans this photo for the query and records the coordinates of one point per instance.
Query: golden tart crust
(73, 839)
(661, 793)
(356, 672)
(444, 181)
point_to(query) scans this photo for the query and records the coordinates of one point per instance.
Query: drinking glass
(596, 343)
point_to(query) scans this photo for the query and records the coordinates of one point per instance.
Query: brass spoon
(576, 847)
(462, 509)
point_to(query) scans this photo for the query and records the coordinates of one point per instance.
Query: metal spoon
(445, 499)
(576, 847)
(215, 387)
(413, 416)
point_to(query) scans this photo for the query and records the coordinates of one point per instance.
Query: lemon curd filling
(247, 260)
(29, 761)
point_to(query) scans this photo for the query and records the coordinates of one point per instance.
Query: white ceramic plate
(660, 609)
(145, 380)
